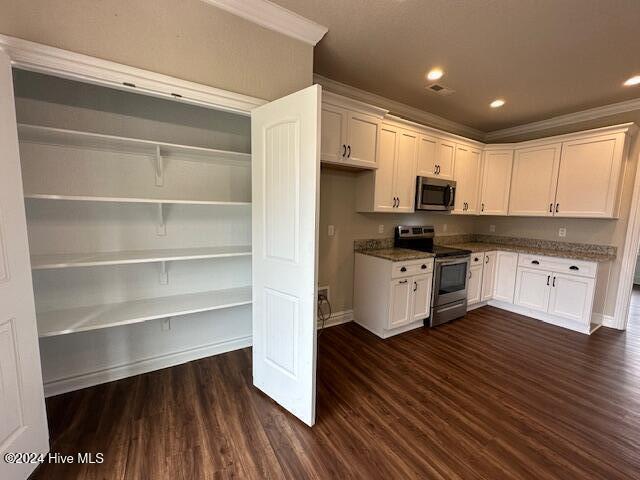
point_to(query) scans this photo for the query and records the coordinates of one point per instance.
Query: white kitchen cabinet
(391, 297)
(495, 182)
(400, 303)
(421, 305)
(505, 276)
(349, 132)
(445, 159)
(474, 284)
(488, 276)
(427, 156)
(391, 187)
(571, 297)
(534, 179)
(466, 175)
(589, 175)
(533, 288)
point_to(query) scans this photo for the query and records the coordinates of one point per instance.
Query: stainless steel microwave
(435, 194)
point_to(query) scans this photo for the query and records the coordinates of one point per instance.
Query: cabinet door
(588, 178)
(467, 174)
(474, 285)
(496, 182)
(421, 291)
(533, 288)
(384, 193)
(362, 140)
(488, 276)
(400, 305)
(505, 276)
(533, 180)
(571, 297)
(427, 155)
(405, 171)
(445, 159)
(333, 144)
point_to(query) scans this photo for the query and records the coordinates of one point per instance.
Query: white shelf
(69, 260)
(61, 322)
(90, 198)
(62, 137)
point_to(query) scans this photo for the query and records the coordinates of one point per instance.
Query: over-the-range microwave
(435, 194)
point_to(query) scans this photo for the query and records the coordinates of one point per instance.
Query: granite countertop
(588, 256)
(396, 254)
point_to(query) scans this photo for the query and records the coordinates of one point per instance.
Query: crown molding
(274, 17)
(75, 66)
(398, 109)
(568, 119)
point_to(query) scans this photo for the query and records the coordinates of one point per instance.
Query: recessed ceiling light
(435, 74)
(632, 81)
(497, 103)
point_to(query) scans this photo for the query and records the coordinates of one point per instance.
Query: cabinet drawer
(559, 265)
(412, 267)
(477, 258)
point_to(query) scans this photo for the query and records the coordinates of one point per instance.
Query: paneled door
(534, 180)
(466, 175)
(405, 171)
(496, 182)
(400, 305)
(421, 296)
(285, 176)
(533, 288)
(362, 139)
(23, 422)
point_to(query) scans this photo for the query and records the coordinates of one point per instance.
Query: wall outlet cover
(380, 228)
(444, 227)
(562, 232)
(332, 230)
(492, 228)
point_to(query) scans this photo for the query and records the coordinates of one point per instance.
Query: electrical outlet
(562, 232)
(332, 230)
(444, 227)
(492, 228)
(380, 228)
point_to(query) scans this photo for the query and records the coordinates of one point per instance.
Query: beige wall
(188, 39)
(338, 208)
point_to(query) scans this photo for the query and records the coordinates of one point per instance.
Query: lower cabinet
(391, 297)
(474, 282)
(545, 285)
(506, 265)
(488, 276)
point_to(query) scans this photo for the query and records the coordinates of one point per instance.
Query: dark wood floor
(493, 396)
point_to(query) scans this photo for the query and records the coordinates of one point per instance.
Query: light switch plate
(380, 228)
(444, 227)
(492, 228)
(562, 232)
(332, 230)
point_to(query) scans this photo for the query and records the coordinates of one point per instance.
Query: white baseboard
(609, 321)
(63, 385)
(476, 305)
(337, 318)
(527, 312)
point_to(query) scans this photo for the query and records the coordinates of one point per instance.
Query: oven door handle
(453, 262)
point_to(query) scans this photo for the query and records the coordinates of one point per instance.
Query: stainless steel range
(450, 276)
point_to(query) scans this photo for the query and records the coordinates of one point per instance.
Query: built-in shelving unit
(70, 260)
(89, 198)
(82, 319)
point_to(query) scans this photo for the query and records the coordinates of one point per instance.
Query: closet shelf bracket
(159, 164)
(161, 226)
(164, 274)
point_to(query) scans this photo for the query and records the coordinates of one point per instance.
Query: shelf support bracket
(161, 226)
(159, 167)
(164, 274)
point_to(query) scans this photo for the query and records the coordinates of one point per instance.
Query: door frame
(631, 247)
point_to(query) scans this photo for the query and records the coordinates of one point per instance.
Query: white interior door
(285, 177)
(23, 422)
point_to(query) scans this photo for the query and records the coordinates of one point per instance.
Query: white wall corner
(610, 322)
(274, 17)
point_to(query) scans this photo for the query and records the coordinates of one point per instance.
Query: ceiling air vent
(439, 89)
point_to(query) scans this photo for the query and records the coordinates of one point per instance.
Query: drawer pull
(403, 269)
(423, 267)
(548, 278)
(573, 267)
(535, 262)
(476, 259)
(403, 281)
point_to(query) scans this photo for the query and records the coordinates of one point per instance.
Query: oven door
(434, 194)
(450, 282)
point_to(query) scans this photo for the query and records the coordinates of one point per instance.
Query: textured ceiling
(545, 57)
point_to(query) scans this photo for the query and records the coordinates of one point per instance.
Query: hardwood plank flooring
(494, 395)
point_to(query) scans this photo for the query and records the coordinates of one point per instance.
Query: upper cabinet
(495, 182)
(445, 160)
(350, 132)
(427, 156)
(466, 175)
(579, 177)
(391, 187)
(589, 176)
(534, 180)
